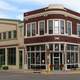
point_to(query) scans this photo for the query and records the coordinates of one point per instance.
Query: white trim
(51, 43)
(52, 12)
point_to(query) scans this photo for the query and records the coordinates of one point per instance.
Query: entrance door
(20, 59)
(56, 63)
(57, 60)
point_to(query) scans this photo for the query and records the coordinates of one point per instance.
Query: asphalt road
(37, 76)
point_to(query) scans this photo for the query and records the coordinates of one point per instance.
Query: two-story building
(11, 43)
(52, 38)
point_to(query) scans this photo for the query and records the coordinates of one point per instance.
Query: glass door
(56, 63)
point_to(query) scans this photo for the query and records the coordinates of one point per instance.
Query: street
(37, 76)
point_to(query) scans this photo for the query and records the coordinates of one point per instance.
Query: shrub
(5, 68)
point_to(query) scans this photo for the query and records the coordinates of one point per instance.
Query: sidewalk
(41, 72)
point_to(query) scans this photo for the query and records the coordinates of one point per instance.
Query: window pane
(28, 29)
(0, 36)
(33, 29)
(4, 35)
(32, 58)
(14, 34)
(78, 29)
(9, 34)
(56, 27)
(41, 27)
(56, 47)
(42, 57)
(11, 56)
(62, 26)
(69, 28)
(37, 58)
(2, 56)
(50, 26)
(68, 57)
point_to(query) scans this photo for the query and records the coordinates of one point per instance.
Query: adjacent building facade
(52, 38)
(11, 43)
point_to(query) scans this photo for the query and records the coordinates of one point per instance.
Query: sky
(14, 9)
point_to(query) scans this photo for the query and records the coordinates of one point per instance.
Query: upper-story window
(41, 27)
(69, 27)
(4, 35)
(28, 29)
(62, 26)
(56, 26)
(78, 29)
(14, 34)
(0, 36)
(9, 34)
(50, 26)
(31, 29)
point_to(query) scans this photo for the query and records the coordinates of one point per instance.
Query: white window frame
(31, 29)
(39, 27)
(71, 26)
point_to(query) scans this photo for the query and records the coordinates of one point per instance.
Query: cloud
(5, 6)
(16, 8)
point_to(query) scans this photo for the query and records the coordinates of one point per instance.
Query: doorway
(20, 59)
(57, 60)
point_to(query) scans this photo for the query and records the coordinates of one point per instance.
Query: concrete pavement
(42, 72)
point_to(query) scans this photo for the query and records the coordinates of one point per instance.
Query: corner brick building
(52, 38)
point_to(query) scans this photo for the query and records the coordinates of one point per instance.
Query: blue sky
(15, 8)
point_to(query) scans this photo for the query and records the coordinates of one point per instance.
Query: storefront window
(2, 56)
(11, 52)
